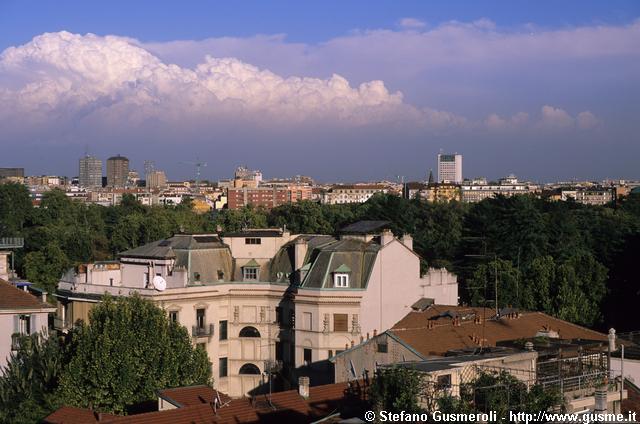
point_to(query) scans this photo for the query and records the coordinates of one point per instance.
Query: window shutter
(340, 322)
(16, 323)
(32, 324)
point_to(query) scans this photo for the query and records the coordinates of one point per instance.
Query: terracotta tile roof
(632, 402)
(192, 395)
(432, 331)
(12, 297)
(72, 415)
(282, 407)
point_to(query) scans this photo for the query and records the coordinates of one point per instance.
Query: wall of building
(366, 355)
(394, 285)
(7, 328)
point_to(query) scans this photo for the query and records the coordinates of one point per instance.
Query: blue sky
(544, 89)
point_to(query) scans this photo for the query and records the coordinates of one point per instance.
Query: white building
(260, 297)
(450, 168)
(90, 172)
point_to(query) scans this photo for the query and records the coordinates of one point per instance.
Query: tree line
(570, 260)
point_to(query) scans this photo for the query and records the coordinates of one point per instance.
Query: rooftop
(280, 407)
(12, 298)
(439, 329)
(365, 227)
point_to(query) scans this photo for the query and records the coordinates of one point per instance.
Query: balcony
(15, 341)
(206, 331)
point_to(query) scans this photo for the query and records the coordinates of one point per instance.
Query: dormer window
(251, 271)
(341, 276)
(341, 280)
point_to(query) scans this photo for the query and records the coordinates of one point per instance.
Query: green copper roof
(252, 264)
(306, 267)
(342, 268)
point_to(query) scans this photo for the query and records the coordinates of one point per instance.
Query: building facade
(21, 314)
(352, 193)
(90, 172)
(267, 197)
(117, 171)
(262, 301)
(450, 168)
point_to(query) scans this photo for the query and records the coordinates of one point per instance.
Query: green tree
(396, 389)
(237, 219)
(15, 209)
(45, 268)
(30, 379)
(126, 353)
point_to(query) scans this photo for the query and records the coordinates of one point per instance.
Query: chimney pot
(375, 332)
(303, 387)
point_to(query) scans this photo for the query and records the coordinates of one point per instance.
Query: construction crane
(199, 165)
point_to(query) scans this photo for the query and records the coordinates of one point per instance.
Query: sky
(340, 91)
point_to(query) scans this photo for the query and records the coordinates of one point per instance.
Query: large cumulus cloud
(88, 77)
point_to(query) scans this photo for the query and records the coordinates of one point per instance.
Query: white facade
(450, 168)
(247, 323)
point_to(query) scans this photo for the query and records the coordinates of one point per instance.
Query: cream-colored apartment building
(264, 301)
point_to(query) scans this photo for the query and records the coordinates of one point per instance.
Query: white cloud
(69, 81)
(554, 117)
(587, 120)
(412, 23)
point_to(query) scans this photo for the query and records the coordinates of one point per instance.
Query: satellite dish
(159, 283)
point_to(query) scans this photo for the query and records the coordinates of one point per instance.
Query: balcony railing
(15, 341)
(205, 331)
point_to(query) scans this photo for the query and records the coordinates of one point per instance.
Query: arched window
(249, 332)
(249, 369)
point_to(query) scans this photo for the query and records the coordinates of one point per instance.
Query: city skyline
(369, 96)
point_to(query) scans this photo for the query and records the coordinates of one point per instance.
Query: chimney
(299, 253)
(386, 237)
(4, 266)
(612, 340)
(303, 387)
(375, 332)
(407, 240)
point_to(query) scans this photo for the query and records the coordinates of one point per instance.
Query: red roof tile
(432, 331)
(72, 415)
(12, 297)
(192, 395)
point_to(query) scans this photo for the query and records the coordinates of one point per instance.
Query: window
(253, 240)
(249, 332)
(383, 348)
(111, 281)
(173, 316)
(279, 351)
(249, 369)
(249, 273)
(341, 280)
(146, 279)
(306, 321)
(24, 325)
(340, 322)
(222, 367)
(330, 353)
(278, 314)
(444, 381)
(158, 274)
(200, 318)
(307, 354)
(223, 329)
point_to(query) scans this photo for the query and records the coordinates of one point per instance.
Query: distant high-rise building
(11, 172)
(156, 180)
(117, 171)
(450, 168)
(90, 172)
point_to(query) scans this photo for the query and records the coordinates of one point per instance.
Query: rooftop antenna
(199, 165)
